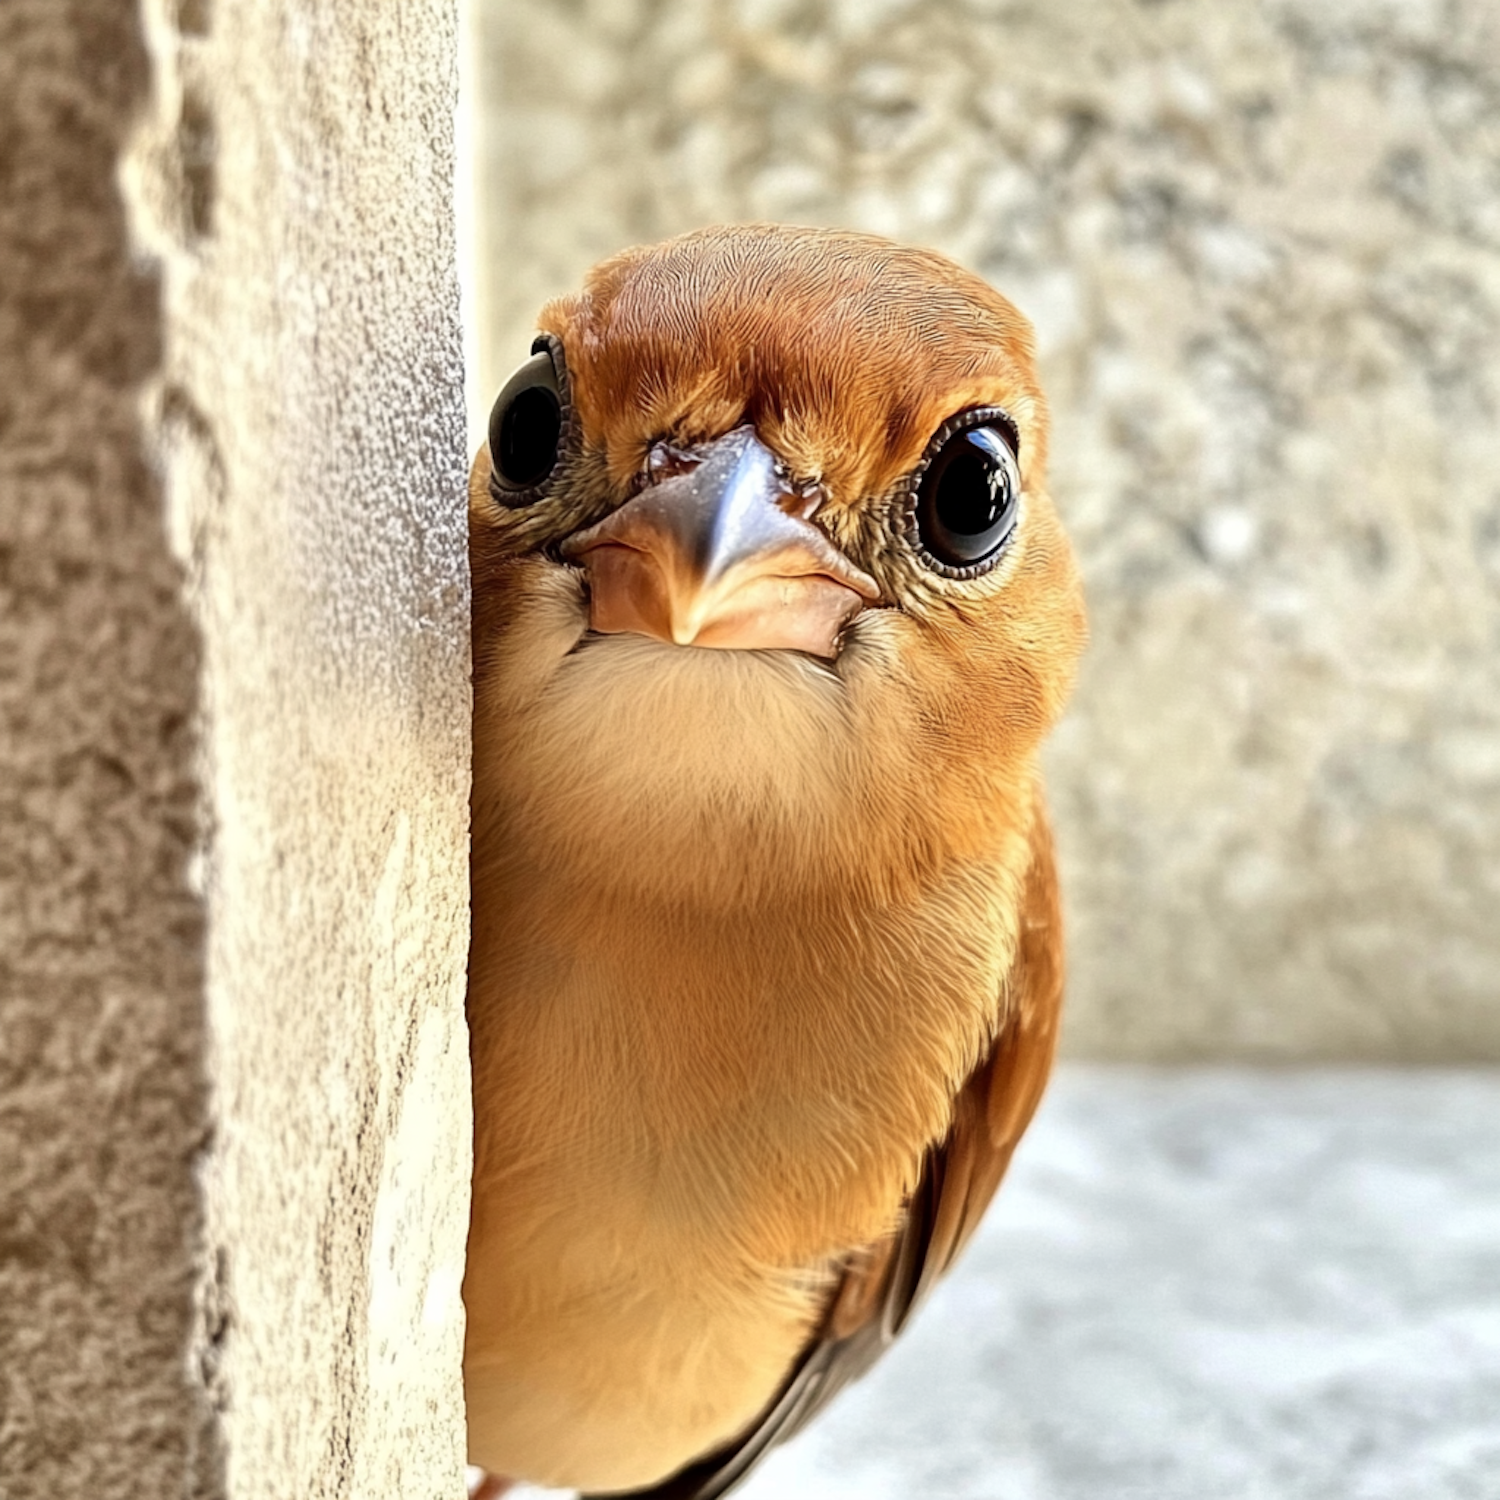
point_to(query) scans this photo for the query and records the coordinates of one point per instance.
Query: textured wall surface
(234, 1106)
(234, 727)
(296, 178)
(1259, 244)
(103, 1098)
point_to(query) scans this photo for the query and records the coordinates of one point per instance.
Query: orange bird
(771, 614)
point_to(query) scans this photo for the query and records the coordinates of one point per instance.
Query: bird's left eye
(526, 429)
(968, 497)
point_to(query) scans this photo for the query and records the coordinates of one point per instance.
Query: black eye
(525, 428)
(968, 497)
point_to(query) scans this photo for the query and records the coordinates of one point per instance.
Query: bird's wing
(878, 1290)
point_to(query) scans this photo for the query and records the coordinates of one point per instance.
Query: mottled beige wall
(103, 1092)
(234, 726)
(1261, 246)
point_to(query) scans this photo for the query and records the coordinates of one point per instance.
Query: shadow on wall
(1258, 245)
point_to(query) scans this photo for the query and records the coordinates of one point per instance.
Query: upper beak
(710, 558)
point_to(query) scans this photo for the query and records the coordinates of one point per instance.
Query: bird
(771, 615)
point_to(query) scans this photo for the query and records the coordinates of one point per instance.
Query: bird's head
(761, 541)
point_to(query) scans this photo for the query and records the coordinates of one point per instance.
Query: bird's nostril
(666, 461)
(802, 498)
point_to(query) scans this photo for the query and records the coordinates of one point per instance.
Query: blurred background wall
(1261, 247)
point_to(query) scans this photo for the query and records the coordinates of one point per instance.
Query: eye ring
(964, 497)
(530, 426)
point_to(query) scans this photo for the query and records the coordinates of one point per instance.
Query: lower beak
(710, 558)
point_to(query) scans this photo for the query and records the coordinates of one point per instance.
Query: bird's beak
(713, 556)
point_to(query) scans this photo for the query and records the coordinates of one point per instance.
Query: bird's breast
(682, 1121)
(711, 1038)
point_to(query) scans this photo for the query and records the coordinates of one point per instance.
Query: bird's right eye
(525, 430)
(968, 493)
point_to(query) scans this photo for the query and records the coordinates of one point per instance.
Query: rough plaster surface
(1259, 244)
(103, 1098)
(295, 177)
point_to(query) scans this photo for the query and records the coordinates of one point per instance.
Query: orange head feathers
(765, 936)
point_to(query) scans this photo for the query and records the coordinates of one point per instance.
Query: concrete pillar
(234, 1113)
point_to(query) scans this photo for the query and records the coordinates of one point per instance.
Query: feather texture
(882, 1285)
(765, 963)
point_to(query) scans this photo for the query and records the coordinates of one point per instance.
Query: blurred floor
(1205, 1285)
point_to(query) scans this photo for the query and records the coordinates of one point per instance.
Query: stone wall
(103, 1091)
(234, 723)
(1259, 244)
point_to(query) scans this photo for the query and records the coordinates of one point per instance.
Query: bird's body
(765, 941)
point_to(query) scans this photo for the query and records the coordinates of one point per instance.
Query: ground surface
(1205, 1285)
